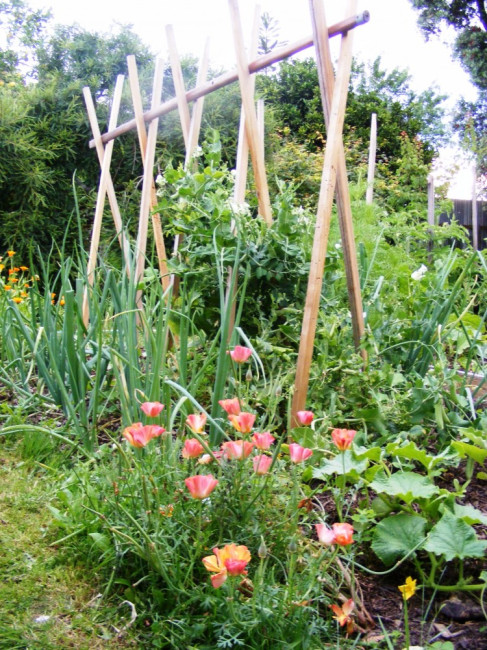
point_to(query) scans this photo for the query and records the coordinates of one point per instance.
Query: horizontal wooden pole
(229, 77)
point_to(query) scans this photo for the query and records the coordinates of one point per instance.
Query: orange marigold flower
(24, 268)
(17, 299)
(10, 253)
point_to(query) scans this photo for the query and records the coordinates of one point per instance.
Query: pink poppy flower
(237, 449)
(299, 454)
(240, 354)
(231, 406)
(196, 422)
(201, 485)
(261, 464)
(343, 438)
(263, 441)
(305, 417)
(325, 535)
(229, 560)
(192, 448)
(152, 409)
(343, 534)
(242, 422)
(139, 435)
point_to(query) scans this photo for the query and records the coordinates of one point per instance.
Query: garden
(158, 491)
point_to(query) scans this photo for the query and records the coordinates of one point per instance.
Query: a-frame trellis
(334, 177)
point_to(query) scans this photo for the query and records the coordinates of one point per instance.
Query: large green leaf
(396, 536)
(452, 537)
(405, 485)
(464, 449)
(469, 514)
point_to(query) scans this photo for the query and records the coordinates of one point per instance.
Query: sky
(391, 33)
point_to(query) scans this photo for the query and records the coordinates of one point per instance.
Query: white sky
(391, 33)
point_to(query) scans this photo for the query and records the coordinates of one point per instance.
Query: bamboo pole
(229, 77)
(251, 126)
(142, 134)
(372, 153)
(333, 154)
(100, 199)
(100, 150)
(148, 180)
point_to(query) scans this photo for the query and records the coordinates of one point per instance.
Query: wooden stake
(431, 200)
(241, 170)
(100, 199)
(193, 130)
(148, 180)
(326, 78)
(142, 134)
(251, 126)
(333, 152)
(197, 113)
(372, 153)
(178, 80)
(226, 78)
(100, 150)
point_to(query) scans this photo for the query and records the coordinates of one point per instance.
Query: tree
(23, 31)
(294, 95)
(469, 19)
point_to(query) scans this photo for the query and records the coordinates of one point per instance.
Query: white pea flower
(419, 273)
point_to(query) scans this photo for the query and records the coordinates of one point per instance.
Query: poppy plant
(231, 406)
(261, 463)
(192, 448)
(201, 485)
(343, 614)
(152, 409)
(240, 354)
(343, 438)
(196, 422)
(305, 417)
(242, 422)
(237, 449)
(139, 435)
(299, 454)
(263, 441)
(229, 560)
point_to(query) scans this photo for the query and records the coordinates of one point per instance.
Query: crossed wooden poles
(334, 176)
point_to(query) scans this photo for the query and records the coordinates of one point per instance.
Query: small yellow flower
(408, 589)
(62, 302)
(10, 253)
(17, 299)
(11, 84)
(24, 268)
(2, 266)
(7, 287)
(2, 82)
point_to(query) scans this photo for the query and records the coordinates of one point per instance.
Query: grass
(39, 580)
